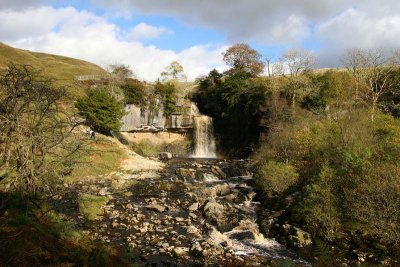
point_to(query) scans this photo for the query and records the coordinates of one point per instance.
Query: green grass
(91, 206)
(100, 158)
(62, 69)
(148, 148)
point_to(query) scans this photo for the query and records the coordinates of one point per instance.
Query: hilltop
(60, 68)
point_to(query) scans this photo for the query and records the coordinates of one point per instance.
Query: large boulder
(296, 237)
(225, 217)
(164, 155)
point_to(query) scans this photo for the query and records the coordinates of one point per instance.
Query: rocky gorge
(192, 212)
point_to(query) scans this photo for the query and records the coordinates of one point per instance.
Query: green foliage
(167, 93)
(100, 110)
(348, 176)
(319, 207)
(243, 58)
(134, 92)
(235, 102)
(275, 178)
(173, 73)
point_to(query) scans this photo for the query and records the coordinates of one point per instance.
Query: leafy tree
(167, 93)
(134, 92)
(173, 72)
(235, 104)
(242, 58)
(275, 177)
(101, 110)
(36, 140)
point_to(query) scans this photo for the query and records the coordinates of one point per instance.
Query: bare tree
(371, 68)
(292, 64)
(36, 140)
(297, 61)
(120, 71)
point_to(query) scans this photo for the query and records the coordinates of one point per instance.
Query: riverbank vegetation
(325, 143)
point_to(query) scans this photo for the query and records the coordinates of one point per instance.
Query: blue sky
(148, 35)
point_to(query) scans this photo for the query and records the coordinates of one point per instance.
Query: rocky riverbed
(190, 213)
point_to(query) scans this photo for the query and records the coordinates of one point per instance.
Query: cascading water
(204, 141)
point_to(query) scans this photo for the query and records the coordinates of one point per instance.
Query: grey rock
(194, 207)
(218, 172)
(164, 155)
(180, 251)
(156, 207)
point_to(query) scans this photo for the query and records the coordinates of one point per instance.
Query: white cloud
(144, 31)
(269, 22)
(356, 28)
(337, 25)
(83, 35)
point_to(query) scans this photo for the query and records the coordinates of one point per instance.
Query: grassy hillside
(61, 69)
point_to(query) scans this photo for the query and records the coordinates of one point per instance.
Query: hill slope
(61, 69)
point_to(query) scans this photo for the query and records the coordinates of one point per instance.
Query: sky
(148, 35)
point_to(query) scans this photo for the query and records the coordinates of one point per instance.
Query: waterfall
(204, 142)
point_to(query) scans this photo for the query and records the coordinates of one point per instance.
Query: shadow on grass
(33, 235)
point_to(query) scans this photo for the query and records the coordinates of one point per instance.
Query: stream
(194, 212)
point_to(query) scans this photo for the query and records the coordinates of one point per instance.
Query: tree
(101, 110)
(293, 63)
(167, 93)
(235, 104)
(37, 143)
(134, 92)
(120, 71)
(372, 69)
(242, 58)
(297, 61)
(173, 72)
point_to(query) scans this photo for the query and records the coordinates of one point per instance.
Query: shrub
(101, 110)
(134, 92)
(167, 92)
(319, 206)
(274, 178)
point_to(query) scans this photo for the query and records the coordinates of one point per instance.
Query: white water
(204, 141)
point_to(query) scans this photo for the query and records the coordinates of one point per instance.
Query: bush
(167, 92)
(134, 92)
(319, 207)
(274, 178)
(101, 111)
(375, 203)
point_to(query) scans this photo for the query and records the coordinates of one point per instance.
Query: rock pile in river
(192, 212)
